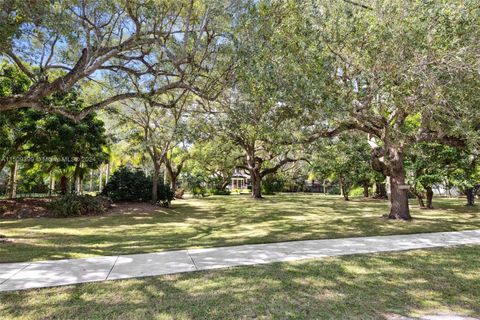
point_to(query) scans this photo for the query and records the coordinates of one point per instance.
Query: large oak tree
(403, 72)
(133, 49)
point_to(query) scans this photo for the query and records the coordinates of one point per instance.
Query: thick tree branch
(20, 65)
(107, 50)
(332, 132)
(361, 5)
(275, 168)
(431, 136)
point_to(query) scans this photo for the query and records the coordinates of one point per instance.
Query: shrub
(76, 205)
(334, 190)
(128, 185)
(132, 185)
(165, 195)
(199, 191)
(218, 192)
(271, 184)
(356, 192)
(195, 183)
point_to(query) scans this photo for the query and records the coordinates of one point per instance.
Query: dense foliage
(133, 185)
(362, 96)
(71, 205)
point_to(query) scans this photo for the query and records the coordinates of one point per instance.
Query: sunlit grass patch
(412, 283)
(221, 221)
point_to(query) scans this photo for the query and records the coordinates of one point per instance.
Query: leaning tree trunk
(429, 197)
(470, 193)
(398, 194)
(256, 184)
(419, 197)
(420, 201)
(224, 184)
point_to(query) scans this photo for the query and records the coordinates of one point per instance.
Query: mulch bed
(25, 208)
(21, 208)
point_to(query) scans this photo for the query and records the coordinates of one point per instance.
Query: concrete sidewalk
(17, 276)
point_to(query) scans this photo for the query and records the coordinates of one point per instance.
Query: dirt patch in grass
(22, 208)
(25, 208)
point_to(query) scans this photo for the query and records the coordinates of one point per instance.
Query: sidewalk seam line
(193, 261)
(16, 273)
(114, 263)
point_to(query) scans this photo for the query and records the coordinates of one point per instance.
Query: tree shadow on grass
(219, 221)
(351, 287)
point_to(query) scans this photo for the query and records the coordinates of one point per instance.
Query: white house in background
(441, 190)
(240, 180)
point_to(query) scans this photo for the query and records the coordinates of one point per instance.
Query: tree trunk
(77, 185)
(419, 198)
(172, 176)
(324, 187)
(51, 184)
(448, 188)
(224, 185)
(398, 194)
(165, 175)
(365, 190)
(108, 173)
(81, 184)
(470, 193)
(156, 174)
(380, 190)
(100, 180)
(2, 164)
(420, 201)
(256, 184)
(76, 178)
(91, 181)
(343, 188)
(429, 197)
(173, 182)
(64, 184)
(12, 192)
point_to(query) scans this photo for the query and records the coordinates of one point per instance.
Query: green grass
(220, 221)
(413, 283)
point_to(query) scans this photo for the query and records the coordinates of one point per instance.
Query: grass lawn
(220, 221)
(376, 286)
